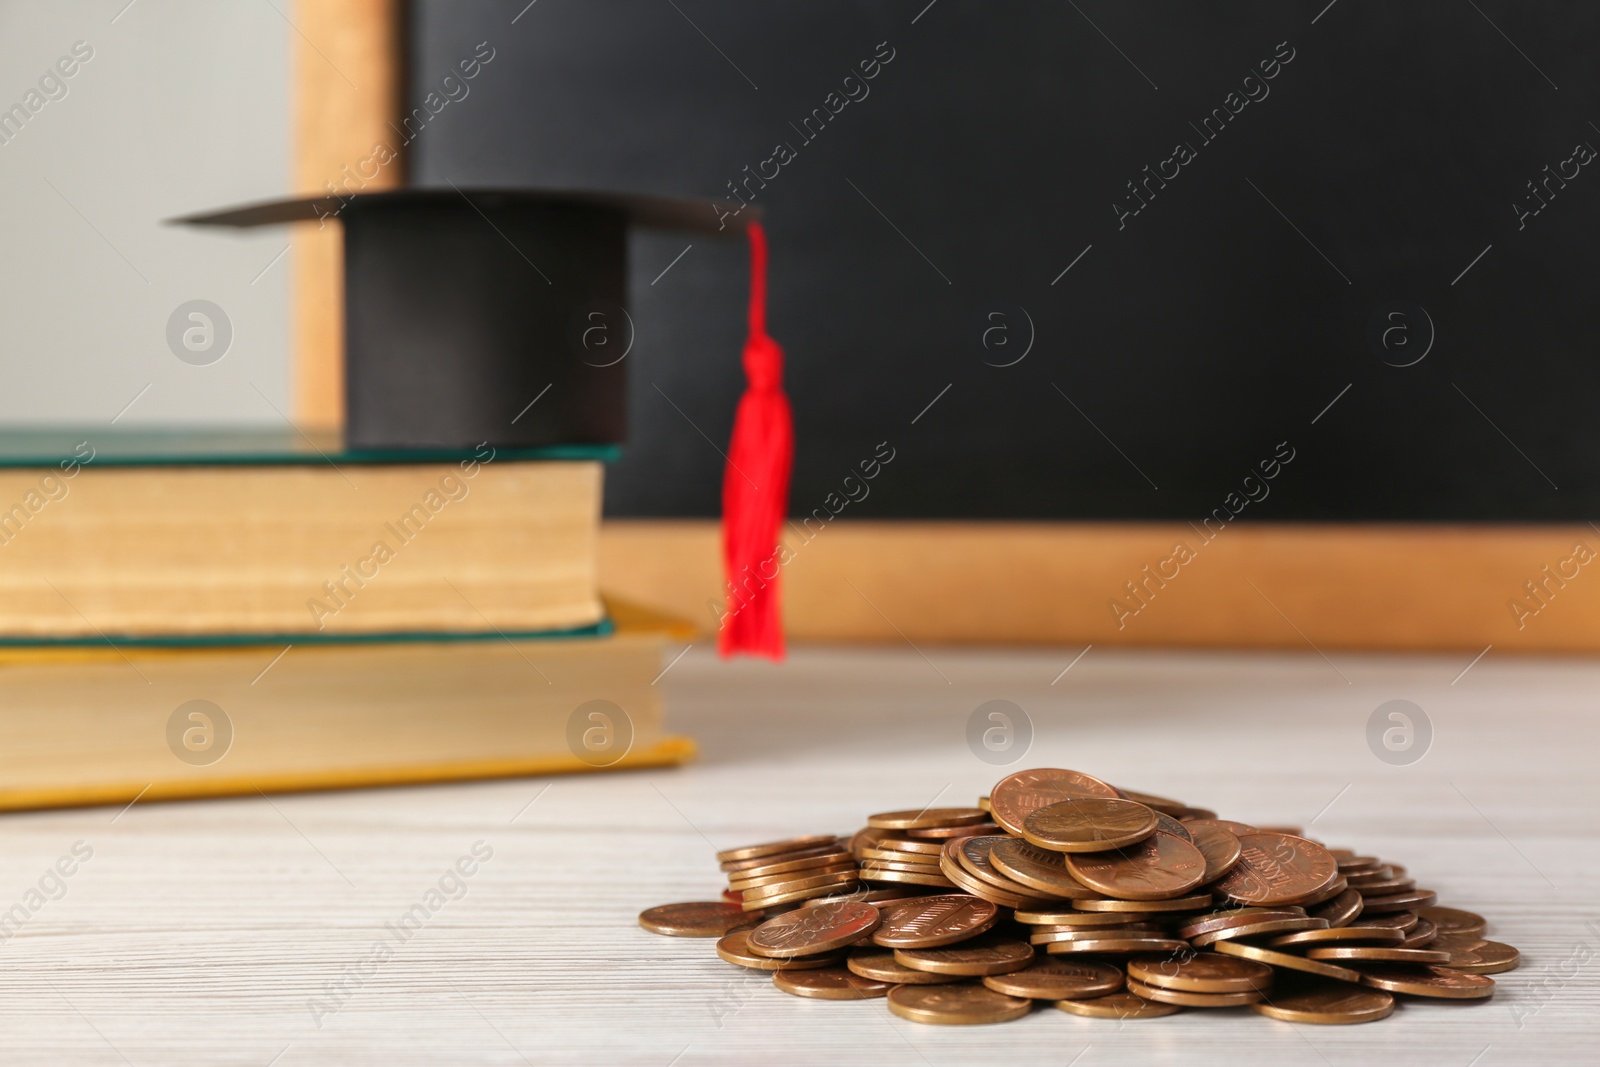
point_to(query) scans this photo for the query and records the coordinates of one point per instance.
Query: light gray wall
(183, 106)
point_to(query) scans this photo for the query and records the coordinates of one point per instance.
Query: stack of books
(203, 614)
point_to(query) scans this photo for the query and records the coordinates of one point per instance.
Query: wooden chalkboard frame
(1468, 589)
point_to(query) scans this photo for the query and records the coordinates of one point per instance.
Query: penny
(709, 918)
(1193, 1000)
(1348, 861)
(1407, 901)
(1277, 868)
(811, 930)
(978, 887)
(1044, 936)
(1332, 891)
(983, 802)
(793, 879)
(1234, 828)
(1454, 920)
(829, 858)
(1386, 953)
(1444, 982)
(879, 964)
(1384, 887)
(928, 922)
(980, 956)
(1286, 831)
(734, 867)
(922, 848)
(1255, 929)
(927, 818)
(1160, 866)
(1168, 825)
(1363, 935)
(1341, 910)
(770, 893)
(1399, 920)
(908, 877)
(1118, 1006)
(914, 867)
(1037, 868)
(1016, 796)
(1380, 873)
(880, 897)
(795, 898)
(1275, 958)
(1229, 918)
(829, 983)
(773, 848)
(1057, 979)
(735, 948)
(1474, 955)
(1118, 945)
(960, 1004)
(1089, 824)
(1327, 1003)
(946, 833)
(1190, 813)
(1204, 972)
(1156, 803)
(1081, 920)
(1421, 935)
(1220, 847)
(1199, 900)
(973, 854)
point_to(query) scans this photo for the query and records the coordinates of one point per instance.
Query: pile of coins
(1106, 902)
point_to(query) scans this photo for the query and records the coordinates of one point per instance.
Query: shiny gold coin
(1107, 904)
(927, 818)
(1326, 1003)
(1204, 972)
(808, 931)
(909, 878)
(1082, 920)
(928, 922)
(1058, 979)
(1383, 953)
(880, 965)
(1220, 848)
(706, 918)
(1094, 933)
(734, 947)
(1410, 900)
(773, 848)
(1277, 869)
(1118, 1006)
(1161, 804)
(1089, 824)
(1192, 1000)
(983, 955)
(1359, 935)
(1018, 795)
(1257, 929)
(1443, 982)
(1454, 920)
(959, 1004)
(1041, 870)
(1342, 910)
(1289, 961)
(1122, 946)
(829, 983)
(1159, 867)
(1473, 954)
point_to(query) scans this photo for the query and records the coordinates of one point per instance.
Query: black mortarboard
(463, 306)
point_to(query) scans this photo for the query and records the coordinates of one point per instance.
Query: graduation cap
(462, 307)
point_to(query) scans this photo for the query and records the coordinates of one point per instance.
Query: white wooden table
(254, 932)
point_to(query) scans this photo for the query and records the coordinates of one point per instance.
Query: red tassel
(755, 485)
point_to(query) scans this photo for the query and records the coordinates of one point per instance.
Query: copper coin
(1385, 887)
(1454, 920)
(765, 868)
(928, 922)
(708, 918)
(1117, 945)
(973, 853)
(1089, 824)
(769, 905)
(1360, 935)
(1037, 868)
(1231, 917)
(829, 983)
(734, 946)
(1190, 813)
(1106, 904)
(791, 878)
(1162, 804)
(1193, 1000)
(1058, 979)
(1349, 862)
(1407, 901)
(1168, 825)
(1286, 831)
(983, 802)
(1327, 1003)
(1234, 828)
(909, 878)
(959, 1004)
(946, 833)
(927, 818)
(1257, 929)
(959, 876)
(880, 965)
(1444, 982)
(922, 848)
(1220, 848)
(1277, 869)
(737, 866)
(1381, 953)
(1082, 920)
(1202, 972)
(915, 867)
(1399, 920)
(1044, 936)
(1341, 910)
(773, 848)
(1421, 935)
(790, 885)
(808, 931)
(1158, 867)
(1118, 1006)
(880, 897)
(1473, 954)
(1289, 961)
(1018, 795)
(983, 955)
(890, 855)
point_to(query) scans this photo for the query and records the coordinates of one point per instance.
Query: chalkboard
(1274, 260)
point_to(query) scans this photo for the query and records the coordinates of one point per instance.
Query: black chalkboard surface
(1294, 260)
